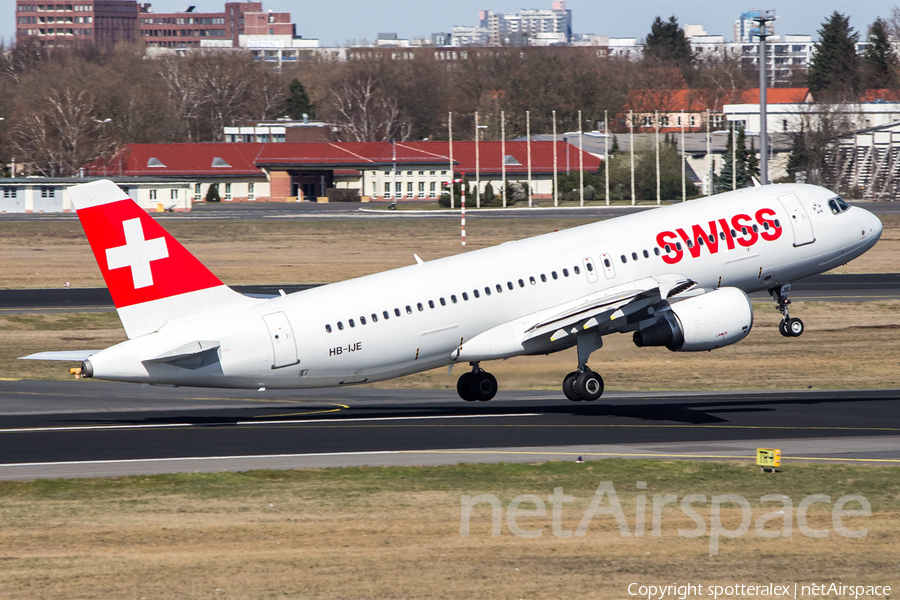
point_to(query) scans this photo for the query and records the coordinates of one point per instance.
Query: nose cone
(875, 226)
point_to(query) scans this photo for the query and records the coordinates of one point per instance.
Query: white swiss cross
(137, 253)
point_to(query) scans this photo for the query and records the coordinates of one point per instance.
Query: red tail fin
(141, 263)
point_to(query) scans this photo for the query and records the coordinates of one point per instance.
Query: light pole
(763, 18)
(104, 123)
(478, 129)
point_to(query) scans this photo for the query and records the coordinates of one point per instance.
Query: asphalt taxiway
(89, 428)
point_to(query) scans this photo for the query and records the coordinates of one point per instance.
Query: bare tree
(365, 113)
(62, 136)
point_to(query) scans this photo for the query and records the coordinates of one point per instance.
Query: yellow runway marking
(314, 412)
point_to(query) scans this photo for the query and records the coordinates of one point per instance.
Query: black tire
(795, 327)
(568, 387)
(783, 329)
(464, 387)
(483, 386)
(589, 385)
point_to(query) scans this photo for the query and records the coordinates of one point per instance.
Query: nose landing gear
(477, 384)
(788, 327)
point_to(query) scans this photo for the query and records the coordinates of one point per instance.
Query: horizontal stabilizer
(190, 356)
(66, 355)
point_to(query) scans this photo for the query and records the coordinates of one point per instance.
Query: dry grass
(37, 255)
(395, 533)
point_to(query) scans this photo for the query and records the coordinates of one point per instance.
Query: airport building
(50, 194)
(287, 172)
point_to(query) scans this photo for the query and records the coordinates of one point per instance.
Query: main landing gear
(477, 384)
(788, 327)
(584, 384)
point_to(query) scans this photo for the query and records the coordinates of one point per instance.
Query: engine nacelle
(705, 322)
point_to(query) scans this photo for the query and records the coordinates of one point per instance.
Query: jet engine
(705, 322)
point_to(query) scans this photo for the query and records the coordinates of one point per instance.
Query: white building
(51, 194)
(790, 118)
(530, 26)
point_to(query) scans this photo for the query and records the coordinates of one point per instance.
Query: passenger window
(499, 289)
(733, 233)
(431, 304)
(352, 324)
(565, 272)
(397, 311)
(722, 235)
(690, 244)
(590, 267)
(756, 229)
(465, 296)
(386, 315)
(777, 224)
(521, 283)
(408, 309)
(443, 302)
(509, 284)
(340, 326)
(624, 260)
(712, 239)
(362, 320)
(656, 250)
(531, 279)
(678, 245)
(487, 291)
(419, 306)
(634, 256)
(543, 278)
(374, 318)
(554, 275)
(577, 270)
(328, 328)
(453, 298)
(699, 241)
(475, 293)
(744, 230)
(766, 225)
(646, 254)
(668, 248)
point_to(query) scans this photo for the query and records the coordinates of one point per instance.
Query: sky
(335, 22)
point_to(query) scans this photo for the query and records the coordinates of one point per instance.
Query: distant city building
(539, 27)
(107, 22)
(469, 36)
(746, 29)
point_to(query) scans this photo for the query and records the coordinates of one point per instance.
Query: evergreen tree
(667, 45)
(298, 102)
(880, 61)
(722, 181)
(488, 196)
(614, 148)
(799, 157)
(752, 161)
(834, 72)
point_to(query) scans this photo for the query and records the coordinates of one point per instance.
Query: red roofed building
(677, 107)
(379, 170)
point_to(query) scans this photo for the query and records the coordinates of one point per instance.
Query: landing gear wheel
(483, 386)
(588, 385)
(783, 328)
(464, 387)
(795, 327)
(569, 387)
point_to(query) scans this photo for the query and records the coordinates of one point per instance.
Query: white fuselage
(437, 303)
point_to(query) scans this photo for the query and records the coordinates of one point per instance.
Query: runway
(88, 428)
(820, 288)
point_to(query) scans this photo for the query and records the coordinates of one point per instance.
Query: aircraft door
(608, 268)
(281, 335)
(800, 221)
(590, 269)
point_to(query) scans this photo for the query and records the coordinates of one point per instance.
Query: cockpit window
(837, 205)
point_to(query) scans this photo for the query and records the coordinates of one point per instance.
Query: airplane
(675, 276)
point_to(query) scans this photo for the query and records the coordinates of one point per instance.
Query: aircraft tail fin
(153, 280)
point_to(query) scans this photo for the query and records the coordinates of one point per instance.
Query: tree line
(63, 107)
